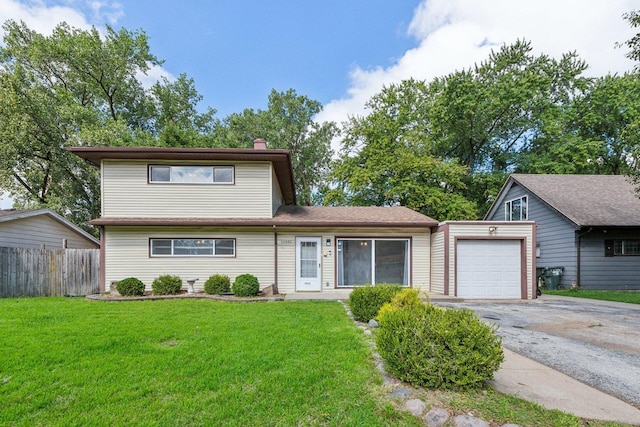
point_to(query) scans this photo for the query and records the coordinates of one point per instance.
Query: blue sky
(339, 52)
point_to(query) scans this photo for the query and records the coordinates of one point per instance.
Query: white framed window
(191, 174)
(372, 261)
(516, 209)
(192, 247)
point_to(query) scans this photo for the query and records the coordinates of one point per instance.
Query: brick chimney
(259, 144)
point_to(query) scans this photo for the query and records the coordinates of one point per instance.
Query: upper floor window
(191, 174)
(516, 209)
(192, 247)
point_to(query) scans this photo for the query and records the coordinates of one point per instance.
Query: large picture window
(191, 174)
(516, 209)
(192, 247)
(373, 261)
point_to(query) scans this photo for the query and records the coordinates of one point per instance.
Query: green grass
(72, 362)
(198, 362)
(632, 297)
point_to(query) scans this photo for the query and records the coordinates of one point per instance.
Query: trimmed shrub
(217, 284)
(436, 348)
(166, 285)
(130, 286)
(246, 285)
(365, 301)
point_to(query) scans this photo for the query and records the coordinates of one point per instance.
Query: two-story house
(587, 224)
(197, 212)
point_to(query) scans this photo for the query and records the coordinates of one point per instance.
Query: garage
(488, 268)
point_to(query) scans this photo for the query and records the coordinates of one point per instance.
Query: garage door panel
(488, 268)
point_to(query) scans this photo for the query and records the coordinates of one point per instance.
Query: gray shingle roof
(587, 200)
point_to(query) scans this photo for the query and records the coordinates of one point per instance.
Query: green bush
(246, 285)
(365, 301)
(130, 286)
(437, 348)
(166, 285)
(217, 284)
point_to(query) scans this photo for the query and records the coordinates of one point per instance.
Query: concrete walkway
(525, 378)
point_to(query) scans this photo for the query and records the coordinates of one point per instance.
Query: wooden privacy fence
(44, 273)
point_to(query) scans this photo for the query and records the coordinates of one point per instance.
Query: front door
(308, 277)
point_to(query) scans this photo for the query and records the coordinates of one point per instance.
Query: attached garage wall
(522, 232)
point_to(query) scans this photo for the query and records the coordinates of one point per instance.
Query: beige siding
(524, 230)
(437, 262)
(127, 254)
(126, 193)
(420, 253)
(35, 231)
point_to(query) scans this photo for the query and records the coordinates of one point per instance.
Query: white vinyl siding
(127, 254)
(127, 193)
(39, 230)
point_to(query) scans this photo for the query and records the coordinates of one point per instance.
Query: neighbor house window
(192, 247)
(374, 261)
(191, 174)
(622, 247)
(516, 209)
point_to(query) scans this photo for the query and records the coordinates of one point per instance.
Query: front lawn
(66, 362)
(632, 297)
(196, 362)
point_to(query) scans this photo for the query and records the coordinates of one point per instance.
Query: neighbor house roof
(299, 216)
(7, 215)
(586, 200)
(279, 158)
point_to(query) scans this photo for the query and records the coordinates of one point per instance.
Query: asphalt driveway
(597, 343)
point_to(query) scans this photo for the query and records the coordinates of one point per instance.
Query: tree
(387, 160)
(287, 123)
(177, 120)
(77, 87)
(633, 43)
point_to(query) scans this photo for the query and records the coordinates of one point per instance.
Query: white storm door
(308, 275)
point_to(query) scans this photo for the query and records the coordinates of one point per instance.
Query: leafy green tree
(633, 18)
(387, 160)
(480, 118)
(287, 123)
(177, 120)
(78, 87)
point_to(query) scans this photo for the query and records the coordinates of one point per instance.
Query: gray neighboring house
(42, 229)
(588, 224)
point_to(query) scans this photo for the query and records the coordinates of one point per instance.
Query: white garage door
(488, 269)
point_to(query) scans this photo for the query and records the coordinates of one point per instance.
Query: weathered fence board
(40, 272)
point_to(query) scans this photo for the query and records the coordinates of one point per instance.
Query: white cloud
(454, 34)
(40, 17)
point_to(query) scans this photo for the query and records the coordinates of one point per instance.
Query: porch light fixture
(492, 228)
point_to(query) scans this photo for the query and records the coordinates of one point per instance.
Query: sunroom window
(191, 174)
(192, 247)
(373, 261)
